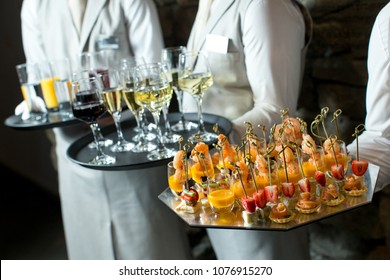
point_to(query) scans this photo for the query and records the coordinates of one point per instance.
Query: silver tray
(79, 152)
(204, 217)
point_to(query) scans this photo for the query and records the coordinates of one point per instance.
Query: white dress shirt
(374, 143)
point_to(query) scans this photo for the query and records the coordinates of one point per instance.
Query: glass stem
(168, 130)
(99, 134)
(95, 131)
(179, 96)
(117, 121)
(201, 129)
(140, 119)
(160, 144)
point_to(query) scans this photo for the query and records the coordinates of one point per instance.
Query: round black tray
(80, 153)
(52, 120)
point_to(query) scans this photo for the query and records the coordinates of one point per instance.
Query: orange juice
(309, 169)
(292, 177)
(26, 97)
(341, 158)
(197, 172)
(221, 200)
(49, 93)
(176, 186)
(238, 191)
(262, 181)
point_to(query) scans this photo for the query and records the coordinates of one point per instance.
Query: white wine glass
(169, 136)
(195, 78)
(112, 95)
(88, 106)
(170, 56)
(127, 81)
(152, 86)
(142, 129)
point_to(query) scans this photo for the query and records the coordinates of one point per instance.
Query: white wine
(196, 84)
(129, 97)
(153, 97)
(113, 100)
(175, 78)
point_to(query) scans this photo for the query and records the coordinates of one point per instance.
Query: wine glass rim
(175, 48)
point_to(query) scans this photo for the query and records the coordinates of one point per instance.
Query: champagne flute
(195, 78)
(112, 95)
(171, 57)
(152, 85)
(127, 66)
(127, 81)
(168, 136)
(88, 106)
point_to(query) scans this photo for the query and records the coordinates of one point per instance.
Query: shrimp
(244, 171)
(292, 167)
(288, 155)
(178, 160)
(261, 164)
(328, 145)
(308, 145)
(200, 147)
(179, 175)
(292, 130)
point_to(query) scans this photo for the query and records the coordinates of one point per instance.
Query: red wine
(88, 107)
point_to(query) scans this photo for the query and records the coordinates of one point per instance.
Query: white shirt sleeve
(374, 143)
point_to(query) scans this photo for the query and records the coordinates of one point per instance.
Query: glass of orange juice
(47, 84)
(176, 179)
(202, 168)
(339, 153)
(220, 197)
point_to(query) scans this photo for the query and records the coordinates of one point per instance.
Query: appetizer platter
(293, 179)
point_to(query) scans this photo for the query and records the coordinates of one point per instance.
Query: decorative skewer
(359, 167)
(336, 114)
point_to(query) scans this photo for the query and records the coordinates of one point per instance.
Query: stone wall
(335, 73)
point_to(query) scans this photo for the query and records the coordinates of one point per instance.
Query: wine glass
(171, 57)
(127, 81)
(168, 136)
(143, 133)
(195, 78)
(112, 95)
(88, 106)
(83, 70)
(152, 85)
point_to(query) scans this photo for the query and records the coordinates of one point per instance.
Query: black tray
(52, 120)
(79, 152)
(205, 218)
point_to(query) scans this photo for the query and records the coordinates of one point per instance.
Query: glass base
(37, 118)
(148, 137)
(144, 147)
(103, 142)
(204, 137)
(161, 154)
(123, 146)
(186, 126)
(103, 160)
(172, 138)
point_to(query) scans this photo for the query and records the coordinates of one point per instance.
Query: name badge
(107, 43)
(216, 43)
